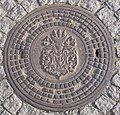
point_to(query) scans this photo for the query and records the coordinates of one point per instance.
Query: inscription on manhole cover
(58, 57)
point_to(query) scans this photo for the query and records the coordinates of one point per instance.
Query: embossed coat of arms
(59, 55)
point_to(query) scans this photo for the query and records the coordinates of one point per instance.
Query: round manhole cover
(58, 57)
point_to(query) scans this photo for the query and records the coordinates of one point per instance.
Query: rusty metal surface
(58, 57)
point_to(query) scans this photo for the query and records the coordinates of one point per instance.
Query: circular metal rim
(87, 100)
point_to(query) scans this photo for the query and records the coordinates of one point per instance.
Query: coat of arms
(58, 55)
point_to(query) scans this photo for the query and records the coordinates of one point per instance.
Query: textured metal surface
(58, 57)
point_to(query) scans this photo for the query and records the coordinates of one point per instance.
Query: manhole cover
(58, 57)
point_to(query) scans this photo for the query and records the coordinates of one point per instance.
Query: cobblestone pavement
(11, 11)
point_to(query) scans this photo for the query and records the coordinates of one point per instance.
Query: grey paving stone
(118, 13)
(59, 113)
(102, 1)
(44, 2)
(73, 112)
(116, 109)
(2, 73)
(6, 113)
(105, 103)
(107, 16)
(17, 12)
(89, 110)
(19, 1)
(27, 109)
(29, 5)
(1, 56)
(117, 67)
(72, 2)
(8, 4)
(115, 4)
(5, 90)
(116, 80)
(2, 12)
(114, 93)
(13, 104)
(48, 113)
(3, 38)
(114, 29)
(6, 24)
(62, 1)
(92, 5)
(1, 109)
(118, 48)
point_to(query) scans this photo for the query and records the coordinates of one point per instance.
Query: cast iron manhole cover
(58, 57)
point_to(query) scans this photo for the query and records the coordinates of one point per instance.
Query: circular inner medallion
(58, 57)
